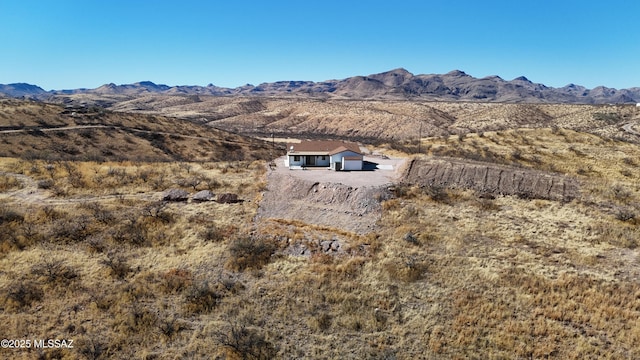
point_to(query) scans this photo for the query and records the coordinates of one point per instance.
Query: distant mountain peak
(399, 70)
(21, 89)
(522, 78)
(457, 73)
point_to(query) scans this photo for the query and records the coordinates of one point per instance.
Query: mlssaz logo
(53, 344)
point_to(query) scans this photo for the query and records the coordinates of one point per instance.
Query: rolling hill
(46, 131)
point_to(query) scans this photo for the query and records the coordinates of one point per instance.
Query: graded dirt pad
(492, 179)
(322, 203)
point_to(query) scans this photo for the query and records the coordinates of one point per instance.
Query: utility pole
(420, 137)
(273, 146)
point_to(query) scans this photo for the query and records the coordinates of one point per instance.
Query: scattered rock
(335, 246)
(325, 245)
(175, 195)
(228, 198)
(297, 250)
(204, 195)
(410, 238)
(330, 245)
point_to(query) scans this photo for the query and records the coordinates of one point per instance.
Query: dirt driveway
(382, 171)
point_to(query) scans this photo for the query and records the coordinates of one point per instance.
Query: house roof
(323, 147)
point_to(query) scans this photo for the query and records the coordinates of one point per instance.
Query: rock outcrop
(175, 195)
(204, 195)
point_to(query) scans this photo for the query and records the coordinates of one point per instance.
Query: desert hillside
(38, 130)
(146, 236)
(376, 120)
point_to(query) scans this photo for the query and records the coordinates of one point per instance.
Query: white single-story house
(335, 155)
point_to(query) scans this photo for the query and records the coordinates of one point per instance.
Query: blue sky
(67, 44)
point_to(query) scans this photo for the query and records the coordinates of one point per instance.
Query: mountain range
(396, 84)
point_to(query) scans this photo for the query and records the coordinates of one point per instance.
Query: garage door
(351, 164)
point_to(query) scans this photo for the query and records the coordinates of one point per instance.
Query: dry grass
(119, 270)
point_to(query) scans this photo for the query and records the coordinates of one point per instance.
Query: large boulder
(204, 195)
(175, 195)
(228, 198)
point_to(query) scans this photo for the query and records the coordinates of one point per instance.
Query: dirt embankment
(492, 178)
(329, 204)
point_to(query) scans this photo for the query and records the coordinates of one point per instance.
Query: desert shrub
(97, 242)
(54, 271)
(408, 268)
(45, 184)
(437, 193)
(401, 191)
(158, 211)
(76, 180)
(619, 235)
(176, 280)
(624, 214)
(486, 204)
(48, 213)
(247, 343)
(100, 213)
(620, 193)
(71, 230)
(516, 154)
(158, 182)
(321, 322)
(201, 297)
(92, 348)
(131, 232)
(247, 252)
(138, 320)
(21, 294)
(212, 233)
(9, 182)
(8, 215)
(118, 265)
(626, 173)
(169, 326)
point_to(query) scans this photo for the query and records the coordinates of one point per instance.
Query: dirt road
(29, 193)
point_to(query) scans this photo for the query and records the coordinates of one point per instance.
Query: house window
(296, 158)
(324, 158)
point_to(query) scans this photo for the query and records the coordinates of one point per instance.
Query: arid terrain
(502, 231)
(375, 121)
